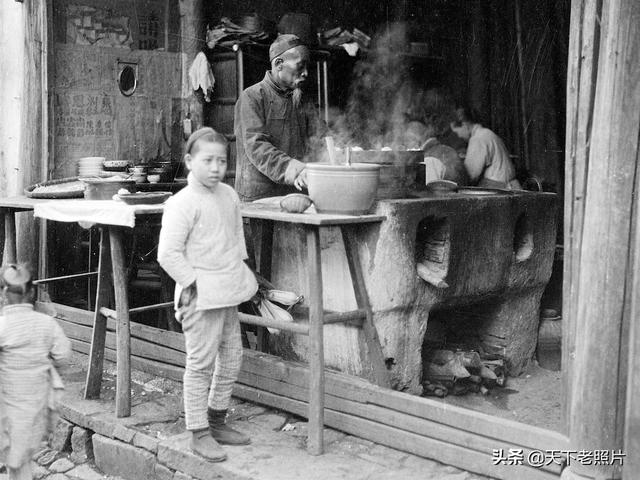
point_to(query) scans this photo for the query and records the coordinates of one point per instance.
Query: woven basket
(71, 193)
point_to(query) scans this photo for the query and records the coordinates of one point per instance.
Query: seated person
(487, 160)
(441, 162)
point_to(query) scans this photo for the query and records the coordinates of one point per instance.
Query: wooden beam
(373, 358)
(358, 390)
(139, 348)
(395, 438)
(602, 287)
(315, 444)
(143, 364)
(393, 418)
(103, 296)
(123, 382)
(584, 42)
(632, 414)
(158, 336)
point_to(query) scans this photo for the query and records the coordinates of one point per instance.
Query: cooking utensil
(331, 147)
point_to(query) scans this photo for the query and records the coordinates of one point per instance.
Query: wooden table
(266, 215)
(111, 275)
(111, 270)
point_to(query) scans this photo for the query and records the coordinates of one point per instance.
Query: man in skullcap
(272, 125)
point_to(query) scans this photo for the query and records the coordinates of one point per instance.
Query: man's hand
(301, 180)
(293, 171)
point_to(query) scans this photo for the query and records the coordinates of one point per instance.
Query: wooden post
(583, 63)
(316, 343)
(192, 38)
(522, 87)
(632, 418)
(10, 254)
(123, 337)
(24, 138)
(603, 286)
(96, 352)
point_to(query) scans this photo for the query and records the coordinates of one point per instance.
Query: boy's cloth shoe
(222, 432)
(204, 445)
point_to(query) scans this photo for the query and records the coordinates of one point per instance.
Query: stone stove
(478, 253)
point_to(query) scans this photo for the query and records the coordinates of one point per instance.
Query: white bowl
(153, 178)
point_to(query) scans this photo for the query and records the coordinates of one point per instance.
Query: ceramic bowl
(343, 189)
(138, 169)
(153, 178)
(139, 177)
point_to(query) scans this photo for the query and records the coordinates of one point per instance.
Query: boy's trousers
(214, 355)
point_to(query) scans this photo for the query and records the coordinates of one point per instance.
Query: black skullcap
(202, 132)
(283, 43)
(16, 278)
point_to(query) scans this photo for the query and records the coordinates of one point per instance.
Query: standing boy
(202, 248)
(32, 344)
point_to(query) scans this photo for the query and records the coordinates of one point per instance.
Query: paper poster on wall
(84, 126)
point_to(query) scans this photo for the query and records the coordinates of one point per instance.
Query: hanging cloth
(201, 76)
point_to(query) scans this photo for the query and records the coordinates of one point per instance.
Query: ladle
(331, 147)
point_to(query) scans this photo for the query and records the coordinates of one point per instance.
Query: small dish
(143, 198)
(442, 186)
(153, 178)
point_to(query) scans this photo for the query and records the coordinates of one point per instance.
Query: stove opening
(460, 352)
(433, 246)
(522, 239)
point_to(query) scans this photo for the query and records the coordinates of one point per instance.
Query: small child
(31, 345)
(202, 248)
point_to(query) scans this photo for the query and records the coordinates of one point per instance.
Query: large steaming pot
(398, 170)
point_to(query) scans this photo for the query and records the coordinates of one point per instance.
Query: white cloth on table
(90, 212)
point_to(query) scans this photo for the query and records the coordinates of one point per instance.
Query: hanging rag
(201, 76)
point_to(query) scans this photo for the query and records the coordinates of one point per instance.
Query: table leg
(378, 371)
(10, 255)
(103, 293)
(123, 338)
(266, 248)
(264, 267)
(316, 346)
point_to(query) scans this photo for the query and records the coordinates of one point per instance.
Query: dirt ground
(533, 398)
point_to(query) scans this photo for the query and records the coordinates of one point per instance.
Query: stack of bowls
(90, 166)
(138, 173)
(164, 169)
